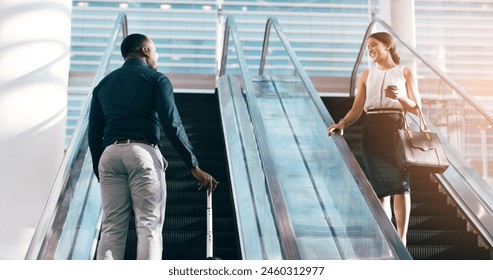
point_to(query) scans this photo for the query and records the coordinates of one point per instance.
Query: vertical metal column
(34, 64)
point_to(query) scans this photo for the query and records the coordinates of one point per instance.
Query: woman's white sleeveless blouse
(377, 82)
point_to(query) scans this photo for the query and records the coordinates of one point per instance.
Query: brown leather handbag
(419, 150)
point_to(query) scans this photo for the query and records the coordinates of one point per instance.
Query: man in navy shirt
(128, 106)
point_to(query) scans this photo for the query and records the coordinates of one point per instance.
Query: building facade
(326, 35)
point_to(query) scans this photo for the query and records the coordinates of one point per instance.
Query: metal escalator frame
(460, 180)
(285, 229)
(362, 182)
(76, 152)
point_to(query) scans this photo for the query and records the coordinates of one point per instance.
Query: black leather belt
(128, 141)
(384, 111)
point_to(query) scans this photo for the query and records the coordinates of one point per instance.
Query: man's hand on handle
(205, 179)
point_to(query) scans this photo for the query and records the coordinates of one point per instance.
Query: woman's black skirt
(379, 154)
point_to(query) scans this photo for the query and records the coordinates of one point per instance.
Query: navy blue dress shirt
(131, 103)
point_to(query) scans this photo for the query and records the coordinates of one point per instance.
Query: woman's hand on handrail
(341, 125)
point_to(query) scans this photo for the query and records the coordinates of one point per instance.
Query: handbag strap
(422, 124)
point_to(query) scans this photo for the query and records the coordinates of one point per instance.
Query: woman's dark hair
(132, 44)
(388, 41)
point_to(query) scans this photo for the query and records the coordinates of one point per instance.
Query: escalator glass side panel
(80, 230)
(268, 237)
(259, 239)
(328, 197)
(330, 216)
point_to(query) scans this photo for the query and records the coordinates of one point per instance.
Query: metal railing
(69, 174)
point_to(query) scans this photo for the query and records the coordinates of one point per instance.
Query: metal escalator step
(197, 197)
(216, 163)
(221, 174)
(175, 251)
(438, 252)
(213, 153)
(178, 171)
(428, 197)
(194, 223)
(432, 209)
(439, 237)
(181, 185)
(199, 253)
(200, 140)
(226, 224)
(184, 174)
(201, 127)
(191, 186)
(205, 105)
(198, 210)
(436, 223)
(197, 100)
(195, 238)
(423, 185)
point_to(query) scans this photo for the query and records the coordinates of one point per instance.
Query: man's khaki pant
(132, 177)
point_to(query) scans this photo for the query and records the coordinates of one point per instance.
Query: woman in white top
(383, 92)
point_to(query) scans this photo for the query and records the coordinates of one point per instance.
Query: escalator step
(439, 237)
(204, 107)
(191, 186)
(187, 238)
(198, 210)
(193, 223)
(214, 153)
(195, 238)
(437, 252)
(436, 223)
(200, 129)
(178, 170)
(432, 209)
(199, 253)
(423, 185)
(212, 163)
(428, 197)
(181, 185)
(420, 186)
(197, 197)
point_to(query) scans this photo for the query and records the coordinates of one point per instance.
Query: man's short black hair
(132, 44)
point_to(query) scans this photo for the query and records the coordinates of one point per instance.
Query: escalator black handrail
(78, 144)
(285, 229)
(444, 77)
(361, 180)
